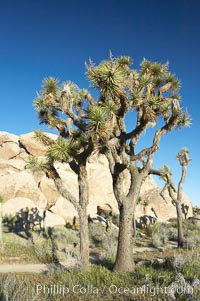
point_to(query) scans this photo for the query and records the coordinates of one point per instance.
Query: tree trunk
(83, 219)
(124, 261)
(84, 239)
(180, 224)
(80, 205)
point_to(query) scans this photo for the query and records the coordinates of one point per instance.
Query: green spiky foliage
(109, 77)
(185, 120)
(183, 156)
(153, 89)
(165, 170)
(41, 137)
(50, 86)
(60, 150)
(35, 164)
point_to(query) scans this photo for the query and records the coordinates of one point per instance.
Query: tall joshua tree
(67, 108)
(175, 194)
(150, 100)
(147, 98)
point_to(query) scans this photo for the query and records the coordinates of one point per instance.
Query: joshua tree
(148, 97)
(175, 194)
(64, 108)
(151, 98)
(145, 205)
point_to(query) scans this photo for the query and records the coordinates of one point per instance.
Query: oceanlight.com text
(78, 289)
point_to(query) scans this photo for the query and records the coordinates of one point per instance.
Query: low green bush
(160, 235)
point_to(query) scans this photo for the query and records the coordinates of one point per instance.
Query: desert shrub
(97, 233)
(192, 240)
(172, 233)
(160, 234)
(106, 241)
(191, 235)
(115, 219)
(179, 261)
(14, 289)
(191, 267)
(45, 250)
(16, 246)
(175, 263)
(56, 244)
(109, 244)
(66, 235)
(189, 226)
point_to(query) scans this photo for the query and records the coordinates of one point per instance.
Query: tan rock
(65, 209)
(69, 178)
(18, 206)
(148, 184)
(100, 185)
(195, 220)
(11, 166)
(53, 220)
(32, 145)
(14, 205)
(164, 209)
(9, 146)
(49, 189)
(21, 184)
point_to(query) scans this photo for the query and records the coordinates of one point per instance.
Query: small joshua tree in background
(176, 195)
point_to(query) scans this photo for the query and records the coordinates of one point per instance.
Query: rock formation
(16, 184)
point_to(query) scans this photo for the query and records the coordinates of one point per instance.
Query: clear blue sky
(40, 38)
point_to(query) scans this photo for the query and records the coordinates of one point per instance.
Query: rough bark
(124, 260)
(178, 206)
(84, 239)
(83, 202)
(180, 224)
(80, 205)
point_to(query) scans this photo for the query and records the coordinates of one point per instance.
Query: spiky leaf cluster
(97, 116)
(183, 156)
(60, 150)
(50, 86)
(184, 120)
(35, 164)
(109, 76)
(153, 88)
(165, 170)
(41, 137)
